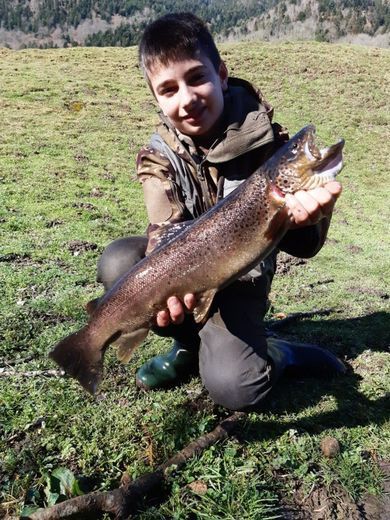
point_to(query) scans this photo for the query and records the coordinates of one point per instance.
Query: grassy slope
(73, 121)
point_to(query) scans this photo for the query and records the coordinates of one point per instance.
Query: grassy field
(72, 123)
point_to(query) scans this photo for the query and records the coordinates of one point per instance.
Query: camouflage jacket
(181, 182)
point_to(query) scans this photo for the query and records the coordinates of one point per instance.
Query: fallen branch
(295, 316)
(122, 501)
(31, 373)
(18, 361)
(320, 282)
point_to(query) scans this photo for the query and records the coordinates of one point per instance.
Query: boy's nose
(188, 97)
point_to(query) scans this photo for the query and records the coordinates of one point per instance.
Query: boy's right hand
(176, 310)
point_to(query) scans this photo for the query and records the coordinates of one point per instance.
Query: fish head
(301, 165)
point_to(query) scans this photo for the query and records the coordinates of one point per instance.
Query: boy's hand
(175, 311)
(309, 207)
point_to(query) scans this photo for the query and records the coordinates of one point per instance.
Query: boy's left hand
(176, 309)
(309, 207)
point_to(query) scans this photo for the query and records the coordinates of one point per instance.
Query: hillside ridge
(65, 23)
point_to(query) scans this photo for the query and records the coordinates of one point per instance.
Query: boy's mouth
(195, 115)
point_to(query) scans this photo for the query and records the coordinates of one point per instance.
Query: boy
(214, 132)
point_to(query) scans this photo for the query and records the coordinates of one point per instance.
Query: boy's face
(190, 93)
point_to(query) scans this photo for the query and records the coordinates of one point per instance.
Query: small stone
(198, 487)
(75, 106)
(330, 447)
(96, 192)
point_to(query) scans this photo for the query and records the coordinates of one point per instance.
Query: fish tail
(81, 358)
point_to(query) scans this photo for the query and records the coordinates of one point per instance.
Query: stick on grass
(31, 373)
(121, 501)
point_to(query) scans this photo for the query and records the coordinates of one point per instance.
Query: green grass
(72, 123)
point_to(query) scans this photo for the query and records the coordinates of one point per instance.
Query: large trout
(214, 250)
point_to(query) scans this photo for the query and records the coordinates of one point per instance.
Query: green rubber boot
(168, 369)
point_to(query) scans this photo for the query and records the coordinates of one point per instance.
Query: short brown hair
(175, 37)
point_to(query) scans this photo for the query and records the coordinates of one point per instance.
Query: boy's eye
(166, 91)
(197, 78)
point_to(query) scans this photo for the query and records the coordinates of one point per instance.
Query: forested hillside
(63, 23)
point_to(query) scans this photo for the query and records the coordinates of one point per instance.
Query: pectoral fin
(203, 305)
(128, 342)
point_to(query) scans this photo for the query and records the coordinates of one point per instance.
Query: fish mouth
(325, 163)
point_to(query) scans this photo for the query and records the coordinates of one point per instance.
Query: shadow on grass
(353, 408)
(348, 339)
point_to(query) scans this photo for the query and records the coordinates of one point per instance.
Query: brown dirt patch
(370, 291)
(18, 258)
(354, 249)
(336, 503)
(81, 246)
(286, 263)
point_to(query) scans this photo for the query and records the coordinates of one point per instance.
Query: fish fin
(80, 358)
(91, 306)
(203, 305)
(279, 223)
(169, 232)
(128, 342)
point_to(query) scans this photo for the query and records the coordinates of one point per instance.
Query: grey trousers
(233, 362)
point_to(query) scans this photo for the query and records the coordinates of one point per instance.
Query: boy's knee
(239, 389)
(237, 375)
(118, 257)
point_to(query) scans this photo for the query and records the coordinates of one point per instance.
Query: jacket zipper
(204, 185)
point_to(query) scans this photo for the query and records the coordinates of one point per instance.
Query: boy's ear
(223, 75)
